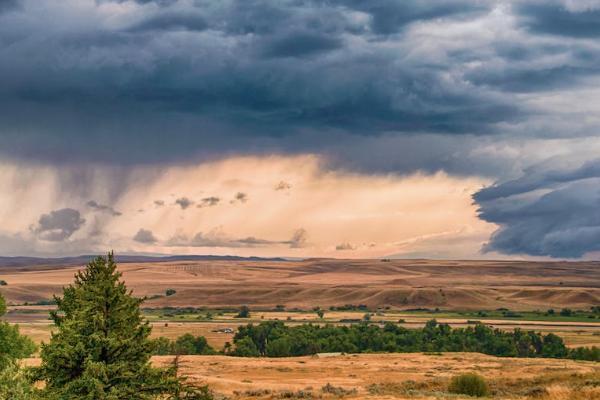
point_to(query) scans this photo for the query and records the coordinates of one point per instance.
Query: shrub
(170, 292)
(566, 312)
(13, 345)
(162, 346)
(469, 384)
(279, 348)
(244, 312)
(15, 385)
(246, 348)
(337, 390)
(186, 344)
(190, 344)
(3, 282)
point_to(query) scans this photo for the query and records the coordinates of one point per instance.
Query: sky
(342, 128)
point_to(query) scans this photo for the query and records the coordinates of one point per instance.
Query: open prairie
(399, 284)
(388, 376)
(399, 288)
(392, 376)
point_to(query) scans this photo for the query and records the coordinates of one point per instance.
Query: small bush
(566, 312)
(337, 390)
(469, 384)
(170, 292)
(3, 282)
(537, 391)
(244, 312)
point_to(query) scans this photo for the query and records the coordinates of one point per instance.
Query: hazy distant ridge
(84, 259)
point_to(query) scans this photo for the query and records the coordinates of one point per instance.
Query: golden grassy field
(387, 376)
(392, 376)
(325, 282)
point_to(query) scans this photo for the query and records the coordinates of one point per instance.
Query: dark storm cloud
(104, 208)
(8, 5)
(301, 44)
(261, 76)
(244, 76)
(58, 225)
(391, 16)
(528, 80)
(546, 212)
(172, 22)
(529, 68)
(145, 236)
(161, 3)
(554, 17)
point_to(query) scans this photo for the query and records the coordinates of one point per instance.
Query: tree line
(275, 339)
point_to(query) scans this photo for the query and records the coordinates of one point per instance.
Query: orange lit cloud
(265, 206)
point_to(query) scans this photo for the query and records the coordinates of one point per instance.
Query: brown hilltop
(325, 282)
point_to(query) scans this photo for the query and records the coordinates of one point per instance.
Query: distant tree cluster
(244, 312)
(186, 344)
(275, 339)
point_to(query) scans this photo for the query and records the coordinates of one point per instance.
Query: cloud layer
(490, 90)
(546, 212)
(250, 76)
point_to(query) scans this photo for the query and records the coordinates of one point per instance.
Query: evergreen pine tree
(14, 384)
(101, 349)
(13, 345)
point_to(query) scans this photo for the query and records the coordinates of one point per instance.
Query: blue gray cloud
(546, 212)
(58, 225)
(145, 236)
(93, 204)
(562, 18)
(252, 76)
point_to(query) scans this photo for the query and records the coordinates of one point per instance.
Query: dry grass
(304, 284)
(388, 376)
(392, 376)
